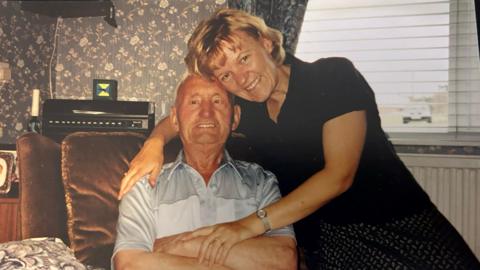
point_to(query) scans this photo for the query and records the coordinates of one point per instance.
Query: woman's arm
(150, 157)
(343, 140)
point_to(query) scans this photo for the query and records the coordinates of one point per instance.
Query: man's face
(203, 113)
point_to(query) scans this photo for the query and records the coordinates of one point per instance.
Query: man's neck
(204, 158)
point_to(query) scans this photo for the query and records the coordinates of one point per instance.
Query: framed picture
(8, 173)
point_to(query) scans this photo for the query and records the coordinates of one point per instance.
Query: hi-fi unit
(62, 116)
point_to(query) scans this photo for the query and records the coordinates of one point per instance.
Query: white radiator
(453, 184)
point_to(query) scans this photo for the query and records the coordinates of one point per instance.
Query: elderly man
(204, 186)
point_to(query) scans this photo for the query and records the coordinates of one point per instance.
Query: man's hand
(148, 160)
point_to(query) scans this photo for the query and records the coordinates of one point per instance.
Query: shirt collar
(226, 161)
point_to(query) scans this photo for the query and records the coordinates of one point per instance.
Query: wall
(26, 41)
(144, 54)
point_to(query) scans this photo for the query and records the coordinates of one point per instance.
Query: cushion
(93, 164)
(43, 211)
(37, 253)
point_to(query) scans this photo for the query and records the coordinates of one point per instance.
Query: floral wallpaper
(144, 54)
(26, 45)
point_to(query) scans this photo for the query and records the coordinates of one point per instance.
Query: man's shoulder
(253, 172)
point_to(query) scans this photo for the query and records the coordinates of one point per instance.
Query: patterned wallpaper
(26, 45)
(144, 54)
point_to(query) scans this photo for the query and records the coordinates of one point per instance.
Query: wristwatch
(262, 215)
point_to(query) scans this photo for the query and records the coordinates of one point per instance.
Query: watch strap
(262, 214)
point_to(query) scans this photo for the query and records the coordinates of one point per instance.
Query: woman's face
(246, 68)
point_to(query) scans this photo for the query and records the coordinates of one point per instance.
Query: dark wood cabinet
(10, 216)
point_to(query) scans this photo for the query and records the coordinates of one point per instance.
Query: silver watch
(262, 215)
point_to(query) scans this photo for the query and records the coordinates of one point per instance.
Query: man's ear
(174, 119)
(267, 44)
(237, 112)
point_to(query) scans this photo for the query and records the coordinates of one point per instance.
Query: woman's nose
(240, 76)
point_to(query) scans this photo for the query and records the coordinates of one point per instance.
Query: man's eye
(217, 101)
(194, 102)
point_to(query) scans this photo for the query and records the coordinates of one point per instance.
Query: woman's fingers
(218, 242)
(125, 184)
(204, 254)
(215, 248)
(208, 254)
(199, 232)
(222, 255)
(129, 180)
(152, 179)
(140, 167)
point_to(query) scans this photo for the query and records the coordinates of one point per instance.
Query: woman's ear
(237, 112)
(267, 44)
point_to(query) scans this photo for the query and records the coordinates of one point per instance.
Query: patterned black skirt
(421, 241)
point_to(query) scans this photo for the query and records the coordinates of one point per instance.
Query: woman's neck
(279, 94)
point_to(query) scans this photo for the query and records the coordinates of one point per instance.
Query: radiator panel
(453, 184)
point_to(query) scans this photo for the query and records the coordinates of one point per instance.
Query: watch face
(261, 213)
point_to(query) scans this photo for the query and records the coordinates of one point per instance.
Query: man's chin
(207, 139)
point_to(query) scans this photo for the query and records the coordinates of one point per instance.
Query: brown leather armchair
(69, 190)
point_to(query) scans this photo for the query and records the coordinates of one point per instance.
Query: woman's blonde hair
(212, 35)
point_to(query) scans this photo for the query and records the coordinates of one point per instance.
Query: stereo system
(62, 116)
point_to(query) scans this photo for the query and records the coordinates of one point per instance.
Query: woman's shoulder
(334, 64)
(323, 70)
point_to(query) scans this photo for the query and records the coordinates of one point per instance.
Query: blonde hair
(212, 35)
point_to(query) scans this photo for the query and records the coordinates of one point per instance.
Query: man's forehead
(195, 85)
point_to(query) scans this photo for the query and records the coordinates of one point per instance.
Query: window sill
(435, 139)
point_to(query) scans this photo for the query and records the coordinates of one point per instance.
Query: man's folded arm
(145, 260)
(262, 252)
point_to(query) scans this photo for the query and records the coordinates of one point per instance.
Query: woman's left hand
(220, 238)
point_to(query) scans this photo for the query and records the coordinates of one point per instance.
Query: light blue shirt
(181, 201)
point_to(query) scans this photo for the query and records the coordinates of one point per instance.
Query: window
(419, 56)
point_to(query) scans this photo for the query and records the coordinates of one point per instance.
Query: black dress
(384, 220)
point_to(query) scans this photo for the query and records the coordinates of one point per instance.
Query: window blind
(420, 57)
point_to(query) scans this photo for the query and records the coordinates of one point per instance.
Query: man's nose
(206, 109)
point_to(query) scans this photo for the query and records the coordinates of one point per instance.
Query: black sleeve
(345, 89)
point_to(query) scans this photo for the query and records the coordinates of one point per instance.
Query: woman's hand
(148, 160)
(220, 238)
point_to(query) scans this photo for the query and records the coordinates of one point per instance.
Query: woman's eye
(194, 102)
(225, 77)
(217, 101)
